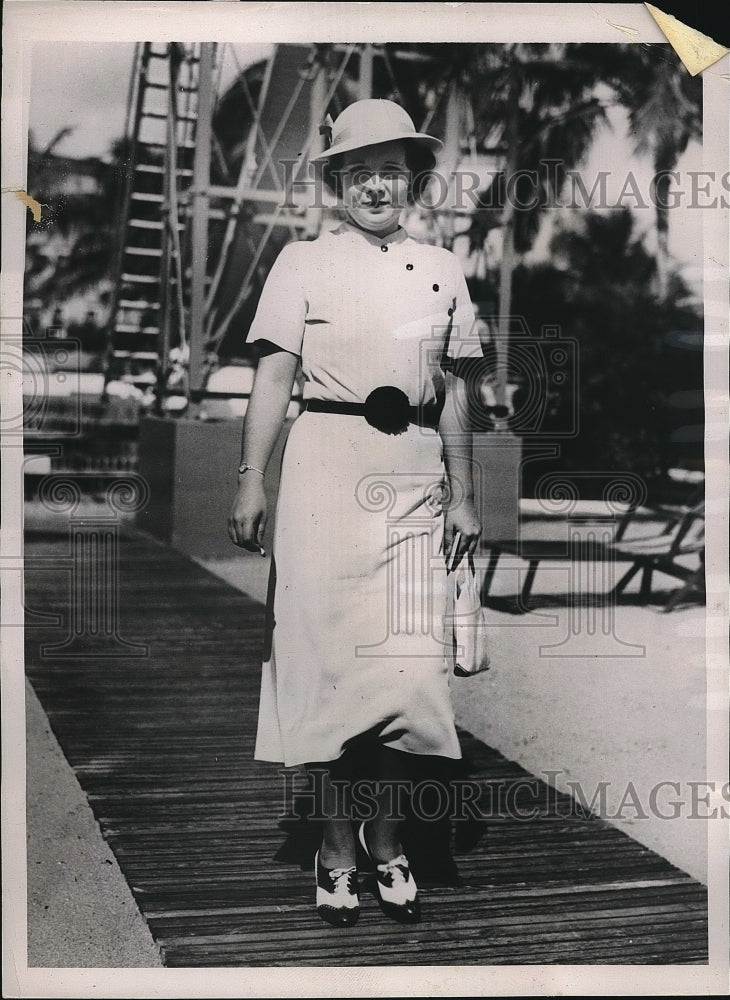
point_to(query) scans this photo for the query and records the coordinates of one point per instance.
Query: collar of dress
(399, 236)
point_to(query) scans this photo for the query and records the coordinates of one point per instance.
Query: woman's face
(375, 183)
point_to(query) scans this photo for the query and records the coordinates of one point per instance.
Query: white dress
(357, 647)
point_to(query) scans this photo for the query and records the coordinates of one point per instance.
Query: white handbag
(466, 619)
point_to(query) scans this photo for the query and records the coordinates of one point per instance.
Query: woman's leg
(331, 783)
(393, 788)
(335, 874)
(381, 837)
(419, 826)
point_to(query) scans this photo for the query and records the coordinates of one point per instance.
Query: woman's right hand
(265, 415)
(247, 520)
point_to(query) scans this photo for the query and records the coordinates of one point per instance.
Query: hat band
(355, 141)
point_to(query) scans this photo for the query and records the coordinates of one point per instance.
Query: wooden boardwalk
(161, 740)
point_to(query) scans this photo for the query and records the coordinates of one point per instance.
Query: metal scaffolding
(179, 291)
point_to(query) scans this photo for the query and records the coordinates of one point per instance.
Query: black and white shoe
(397, 890)
(338, 902)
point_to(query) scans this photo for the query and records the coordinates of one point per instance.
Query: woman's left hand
(463, 520)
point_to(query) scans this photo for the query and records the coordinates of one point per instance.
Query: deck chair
(684, 535)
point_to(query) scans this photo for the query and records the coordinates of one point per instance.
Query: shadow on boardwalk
(159, 730)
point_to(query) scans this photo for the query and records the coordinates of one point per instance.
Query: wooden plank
(219, 865)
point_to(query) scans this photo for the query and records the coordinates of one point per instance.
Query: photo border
(26, 21)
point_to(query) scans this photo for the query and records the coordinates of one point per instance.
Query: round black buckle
(387, 409)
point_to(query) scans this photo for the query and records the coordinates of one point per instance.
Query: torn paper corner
(697, 51)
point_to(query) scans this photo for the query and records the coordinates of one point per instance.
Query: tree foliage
(639, 357)
(72, 248)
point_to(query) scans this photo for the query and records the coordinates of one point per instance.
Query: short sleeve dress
(357, 646)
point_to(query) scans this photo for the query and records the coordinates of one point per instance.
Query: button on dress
(357, 646)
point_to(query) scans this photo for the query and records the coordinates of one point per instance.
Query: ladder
(149, 315)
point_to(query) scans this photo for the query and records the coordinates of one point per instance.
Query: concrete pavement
(81, 913)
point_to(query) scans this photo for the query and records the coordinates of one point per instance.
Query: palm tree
(596, 284)
(537, 106)
(664, 104)
(540, 106)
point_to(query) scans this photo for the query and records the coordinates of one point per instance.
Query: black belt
(386, 408)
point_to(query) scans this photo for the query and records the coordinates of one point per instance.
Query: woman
(363, 517)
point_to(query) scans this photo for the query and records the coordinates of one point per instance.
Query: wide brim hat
(369, 122)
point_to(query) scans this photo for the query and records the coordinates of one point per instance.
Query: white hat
(366, 123)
